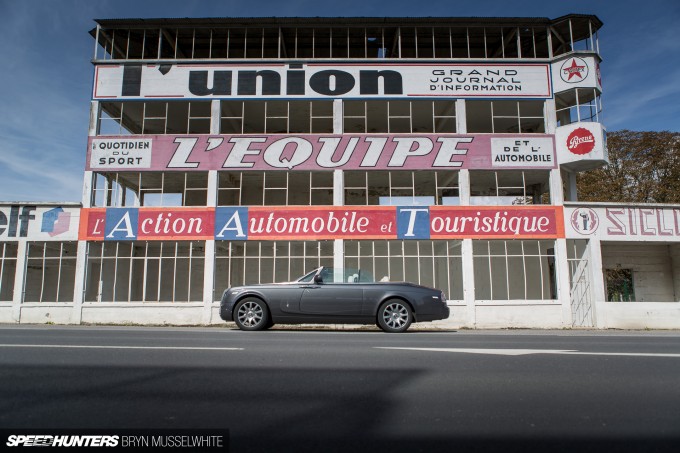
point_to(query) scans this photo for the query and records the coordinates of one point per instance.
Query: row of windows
(221, 42)
(174, 271)
(50, 271)
(277, 188)
(282, 117)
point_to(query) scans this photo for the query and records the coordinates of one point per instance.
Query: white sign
(114, 153)
(581, 146)
(522, 152)
(623, 223)
(576, 72)
(39, 223)
(338, 80)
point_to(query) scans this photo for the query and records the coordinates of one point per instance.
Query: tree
(644, 167)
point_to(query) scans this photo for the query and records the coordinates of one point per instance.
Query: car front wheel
(251, 314)
(394, 316)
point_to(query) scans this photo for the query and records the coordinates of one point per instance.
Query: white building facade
(441, 151)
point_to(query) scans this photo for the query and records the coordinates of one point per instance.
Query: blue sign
(231, 223)
(121, 224)
(413, 222)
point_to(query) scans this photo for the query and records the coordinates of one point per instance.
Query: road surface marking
(516, 352)
(71, 346)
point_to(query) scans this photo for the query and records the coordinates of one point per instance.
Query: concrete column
(338, 187)
(573, 193)
(597, 280)
(339, 253)
(550, 115)
(464, 187)
(469, 282)
(337, 116)
(215, 115)
(338, 200)
(86, 196)
(18, 295)
(461, 120)
(209, 260)
(674, 252)
(79, 286)
(556, 190)
(94, 113)
(562, 281)
(209, 282)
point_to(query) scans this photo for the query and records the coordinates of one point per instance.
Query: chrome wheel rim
(395, 316)
(250, 314)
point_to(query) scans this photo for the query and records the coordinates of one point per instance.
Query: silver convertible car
(328, 295)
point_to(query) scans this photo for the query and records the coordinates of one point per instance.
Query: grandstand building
(440, 151)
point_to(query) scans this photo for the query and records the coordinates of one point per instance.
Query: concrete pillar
(562, 281)
(338, 187)
(209, 292)
(18, 295)
(337, 116)
(674, 252)
(573, 192)
(464, 187)
(79, 285)
(597, 280)
(215, 114)
(469, 282)
(461, 120)
(209, 260)
(550, 115)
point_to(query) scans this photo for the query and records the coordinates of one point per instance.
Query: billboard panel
(39, 223)
(321, 152)
(321, 80)
(240, 223)
(623, 223)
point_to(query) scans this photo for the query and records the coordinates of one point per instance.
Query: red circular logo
(581, 141)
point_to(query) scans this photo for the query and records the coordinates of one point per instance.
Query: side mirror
(318, 278)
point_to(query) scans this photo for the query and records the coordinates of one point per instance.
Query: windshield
(307, 278)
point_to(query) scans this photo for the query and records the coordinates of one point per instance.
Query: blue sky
(47, 75)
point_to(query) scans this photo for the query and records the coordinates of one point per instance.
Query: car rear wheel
(394, 316)
(251, 314)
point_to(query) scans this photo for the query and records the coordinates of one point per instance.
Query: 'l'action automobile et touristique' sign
(322, 222)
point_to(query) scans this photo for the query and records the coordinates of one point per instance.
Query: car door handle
(309, 287)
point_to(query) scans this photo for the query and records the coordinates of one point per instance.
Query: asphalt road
(287, 390)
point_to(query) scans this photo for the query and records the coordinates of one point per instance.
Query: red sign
(321, 222)
(580, 141)
(159, 223)
(92, 222)
(494, 222)
(243, 223)
(129, 224)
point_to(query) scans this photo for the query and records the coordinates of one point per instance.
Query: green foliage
(644, 167)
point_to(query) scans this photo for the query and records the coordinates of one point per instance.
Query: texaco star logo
(574, 70)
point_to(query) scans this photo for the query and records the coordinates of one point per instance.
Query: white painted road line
(70, 346)
(518, 352)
